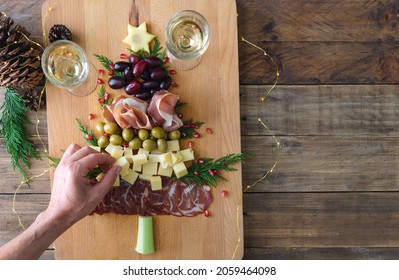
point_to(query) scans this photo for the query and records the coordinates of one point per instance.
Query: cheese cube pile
(150, 166)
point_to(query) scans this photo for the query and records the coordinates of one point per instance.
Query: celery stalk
(145, 236)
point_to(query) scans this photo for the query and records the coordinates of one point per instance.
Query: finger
(93, 160)
(72, 148)
(81, 153)
(107, 181)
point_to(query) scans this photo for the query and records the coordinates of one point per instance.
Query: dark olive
(121, 65)
(146, 75)
(158, 73)
(143, 95)
(139, 68)
(134, 58)
(116, 82)
(153, 61)
(128, 74)
(133, 87)
(150, 84)
(165, 83)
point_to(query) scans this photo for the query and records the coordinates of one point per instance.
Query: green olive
(100, 128)
(143, 134)
(111, 128)
(158, 132)
(116, 139)
(174, 135)
(162, 145)
(128, 134)
(135, 143)
(149, 145)
(103, 141)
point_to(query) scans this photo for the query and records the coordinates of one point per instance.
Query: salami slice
(176, 198)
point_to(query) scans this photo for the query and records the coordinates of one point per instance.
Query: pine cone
(59, 32)
(19, 58)
(31, 97)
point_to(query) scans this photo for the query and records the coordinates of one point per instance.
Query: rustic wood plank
(352, 253)
(323, 164)
(321, 220)
(369, 110)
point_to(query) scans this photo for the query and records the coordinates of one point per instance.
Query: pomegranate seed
(180, 115)
(126, 145)
(88, 137)
(135, 131)
(197, 135)
(210, 171)
(196, 173)
(101, 72)
(200, 161)
(172, 72)
(188, 125)
(224, 193)
(111, 66)
(111, 72)
(106, 96)
(216, 171)
(91, 116)
(166, 59)
(101, 100)
(106, 134)
(100, 81)
(194, 126)
(174, 84)
(206, 213)
(190, 144)
(183, 134)
(209, 130)
(123, 56)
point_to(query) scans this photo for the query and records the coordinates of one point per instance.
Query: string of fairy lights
(261, 105)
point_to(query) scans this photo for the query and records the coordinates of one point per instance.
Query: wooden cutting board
(212, 93)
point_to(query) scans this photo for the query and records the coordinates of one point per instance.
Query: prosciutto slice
(128, 112)
(176, 198)
(162, 110)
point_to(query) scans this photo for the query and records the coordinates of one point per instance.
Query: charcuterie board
(212, 93)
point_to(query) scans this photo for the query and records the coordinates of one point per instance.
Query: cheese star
(138, 38)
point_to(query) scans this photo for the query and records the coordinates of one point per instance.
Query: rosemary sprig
(13, 123)
(189, 128)
(155, 51)
(106, 62)
(207, 171)
(179, 105)
(88, 134)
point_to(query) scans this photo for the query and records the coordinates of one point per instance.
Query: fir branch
(106, 62)
(189, 128)
(13, 122)
(88, 134)
(179, 105)
(101, 96)
(155, 51)
(207, 171)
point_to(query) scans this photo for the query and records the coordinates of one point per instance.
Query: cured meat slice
(176, 198)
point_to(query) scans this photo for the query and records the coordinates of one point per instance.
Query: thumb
(107, 180)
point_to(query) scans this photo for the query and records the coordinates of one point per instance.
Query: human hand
(73, 195)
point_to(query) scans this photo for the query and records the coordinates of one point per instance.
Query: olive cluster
(141, 77)
(149, 140)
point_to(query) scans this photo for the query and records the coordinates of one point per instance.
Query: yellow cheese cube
(122, 162)
(167, 172)
(143, 151)
(150, 168)
(166, 160)
(96, 148)
(155, 152)
(154, 158)
(180, 169)
(111, 147)
(131, 177)
(187, 154)
(156, 183)
(145, 177)
(173, 146)
(176, 158)
(128, 154)
(137, 167)
(116, 153)
(117, 182)
(139, 159)
(100, 176)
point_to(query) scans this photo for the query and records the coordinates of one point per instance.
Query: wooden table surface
(334, 193)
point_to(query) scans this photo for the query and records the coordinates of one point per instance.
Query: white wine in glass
(187, 38)
(66, 66)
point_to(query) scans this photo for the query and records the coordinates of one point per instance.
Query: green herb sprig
(101, 96)
(88, 134)
(189, 128)
(155, 51)
(13, 124)
(207, 171)
(106, 62)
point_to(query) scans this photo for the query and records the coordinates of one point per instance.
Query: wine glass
(66, 66)
(187, 38)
